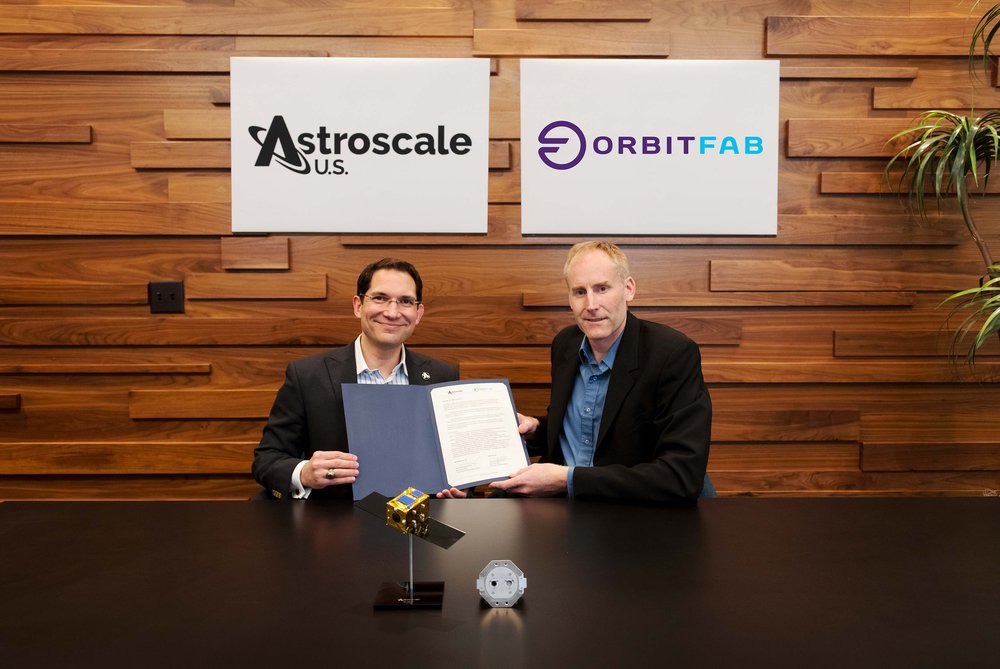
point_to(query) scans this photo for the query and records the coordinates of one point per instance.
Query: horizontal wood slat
(811, 456)
(855, 484)
(845, 138)
(134, 60)
(938, 88)
(786, 425)
(888, 343)
(255, 253)
(180, 155)
(847, 72)
(875, 183)
(867, 36)
(573, 40)
(505, 125)
(115, 458)
(109, 488)
(196, 123)
(915, 457)
(788, 275)
(107, 368)
(804, 371)
(231, 403)
(19, 290)
(42, 133)
(843, 371)
(199, 188)
(195, 20)
(244, 286)
(558, 298)
(583, 10)
(500, 158)
(9, 401)
(114, 218)
(523, 329)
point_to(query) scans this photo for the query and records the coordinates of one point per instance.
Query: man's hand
(538, 480)
(326, 468)
(527, 425)
(452, 493)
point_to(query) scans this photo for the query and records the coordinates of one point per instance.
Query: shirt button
(586, 409)
(587, 441)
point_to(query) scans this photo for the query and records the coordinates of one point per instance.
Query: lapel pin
(425, 376)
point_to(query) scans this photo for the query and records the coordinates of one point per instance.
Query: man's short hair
(365, 278)
(616, 254)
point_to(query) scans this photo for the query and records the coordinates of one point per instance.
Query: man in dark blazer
(630, 416)
(303, 451)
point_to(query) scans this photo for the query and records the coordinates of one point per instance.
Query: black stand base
(426, 595)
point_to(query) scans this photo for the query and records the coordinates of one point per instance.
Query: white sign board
(360, 144)
(640, 147)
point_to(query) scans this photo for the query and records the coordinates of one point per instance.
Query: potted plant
(948, 152)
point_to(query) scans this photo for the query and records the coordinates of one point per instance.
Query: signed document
(458, 434)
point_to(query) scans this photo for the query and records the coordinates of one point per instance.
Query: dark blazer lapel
(418, 370)
(623, 375)
(342, 368)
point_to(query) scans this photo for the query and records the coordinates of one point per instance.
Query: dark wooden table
(735, 582)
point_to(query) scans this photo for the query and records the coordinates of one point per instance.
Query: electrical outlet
(166, 297)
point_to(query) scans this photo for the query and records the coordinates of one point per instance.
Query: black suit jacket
(655, 431)
(308, 414)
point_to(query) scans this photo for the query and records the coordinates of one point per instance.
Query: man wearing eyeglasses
(630, 416)
(303, 451)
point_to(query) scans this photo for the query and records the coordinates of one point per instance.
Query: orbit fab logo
(551, 145)
(558, 134)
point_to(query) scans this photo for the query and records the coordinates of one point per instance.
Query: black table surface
(734, 582)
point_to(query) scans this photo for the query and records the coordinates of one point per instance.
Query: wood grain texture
(850, 275)
(855, 484)
(107, 368)
(888, 343)
(230, 403)
(917, 457)
(197, 20)
(786, 457)
(111, 488)
(845, 138)
(247, 286)
(870, 35)
(847, 72)
(875, 183)
(9, 401)
(255, 253)
(39, 133)
(135, 60)
(113, 218)
(180, 155)
(786, 425)
(505, 125)
(196, 124)
(117, 458)
(594, 40)
(583, 10)
(940, 85)
(29, 290)
(500, 156)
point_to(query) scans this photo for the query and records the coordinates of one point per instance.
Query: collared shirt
(582, 422)
(398, 377)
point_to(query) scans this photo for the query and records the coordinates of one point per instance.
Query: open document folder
(457, 434)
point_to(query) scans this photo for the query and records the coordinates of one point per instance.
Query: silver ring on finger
(331, 474)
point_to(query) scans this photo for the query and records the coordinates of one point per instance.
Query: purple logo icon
(553, 145)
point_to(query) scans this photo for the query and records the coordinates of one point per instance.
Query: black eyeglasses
(402, 303)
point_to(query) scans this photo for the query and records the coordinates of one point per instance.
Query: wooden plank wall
(824, 347)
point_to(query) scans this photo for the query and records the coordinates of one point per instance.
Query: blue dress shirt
(582, 422)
